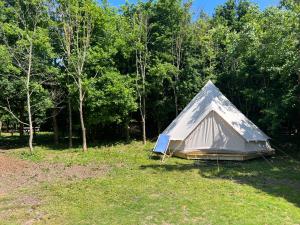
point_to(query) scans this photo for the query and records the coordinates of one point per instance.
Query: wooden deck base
(222, 156)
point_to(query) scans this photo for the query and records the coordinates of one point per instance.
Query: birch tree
(179, 36)
(24, 34)
(77, 20)
(57, 94)
(142, 28)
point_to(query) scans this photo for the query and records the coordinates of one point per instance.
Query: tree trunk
(176, 101)
(158, 127)
(84, 145)
(21, 125)
(29, 99)
(70, 123)
(0, 128)
(7, 126)
(144, 130)
(144, 115)
(178, 51)
(55, 127)
(30, 122)
(126, 130)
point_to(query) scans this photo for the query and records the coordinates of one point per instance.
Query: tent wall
(257, 146)
(214, 133)
(176, 146)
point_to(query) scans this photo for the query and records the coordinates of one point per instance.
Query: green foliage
(252, 55)
(23, 23)
(111, 98)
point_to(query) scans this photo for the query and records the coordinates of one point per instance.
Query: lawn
(119, 184)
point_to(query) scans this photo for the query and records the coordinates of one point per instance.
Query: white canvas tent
(211, 127)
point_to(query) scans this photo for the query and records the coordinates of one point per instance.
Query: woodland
(83, 69)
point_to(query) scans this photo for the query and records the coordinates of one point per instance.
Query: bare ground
(16, 174)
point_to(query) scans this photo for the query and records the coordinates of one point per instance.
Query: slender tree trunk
(144, 111)
(142, 99)
(84, 145)
(30, 123)
(21, 125)
(0, 128)
(144, 103)
(158, 127)
(178, 64)
(55, 127)
(126, 130)
(141, 65)
(144, 130)
(7, 126)
(28, 94)
(70, 123)
(176, 99)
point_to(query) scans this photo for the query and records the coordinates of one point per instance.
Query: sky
(207, 5)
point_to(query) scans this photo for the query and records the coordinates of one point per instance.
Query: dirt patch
(15, 173)
(10, 165)
(22, 205)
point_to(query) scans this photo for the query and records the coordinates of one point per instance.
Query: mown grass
(139, 190)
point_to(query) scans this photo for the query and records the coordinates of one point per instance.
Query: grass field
(133, 189)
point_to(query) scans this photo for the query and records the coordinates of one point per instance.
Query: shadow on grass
(46, 140)
(278, 176)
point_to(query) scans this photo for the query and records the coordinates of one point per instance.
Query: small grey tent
(211, 127)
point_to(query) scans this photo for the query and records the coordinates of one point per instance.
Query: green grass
(139, 190)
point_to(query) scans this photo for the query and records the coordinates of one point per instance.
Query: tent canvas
(210, 123)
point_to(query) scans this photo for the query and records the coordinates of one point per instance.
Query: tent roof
(208, 99)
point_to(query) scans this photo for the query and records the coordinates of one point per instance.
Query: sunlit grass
(139, 190)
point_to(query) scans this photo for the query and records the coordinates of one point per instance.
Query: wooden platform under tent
(223, 155)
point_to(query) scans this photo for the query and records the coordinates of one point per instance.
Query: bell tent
(211, 127)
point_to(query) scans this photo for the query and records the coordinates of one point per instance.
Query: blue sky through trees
(207, 5)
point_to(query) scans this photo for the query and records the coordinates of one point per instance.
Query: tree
(76, 23)
(294, 7)
(57, 95)
(179, 39)
(141, 29)
(257, 63)
(25, 35)
(111, 98)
